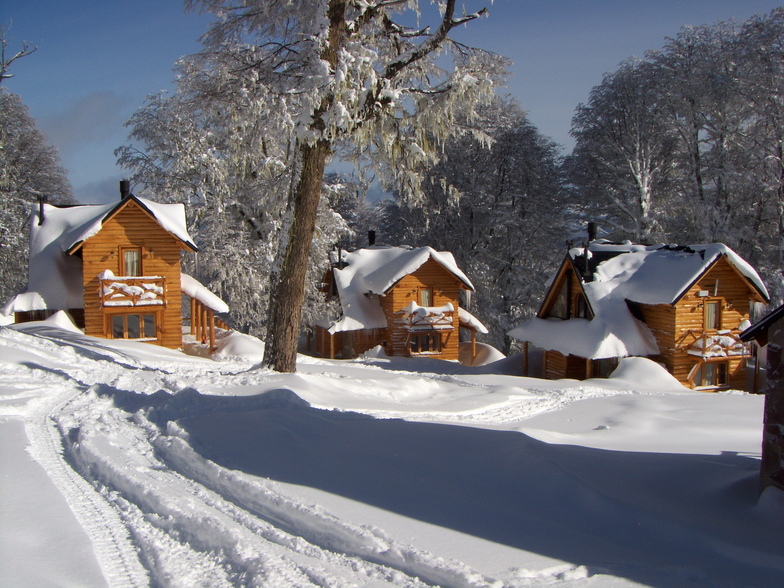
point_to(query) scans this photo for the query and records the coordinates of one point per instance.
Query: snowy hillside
(126, 464)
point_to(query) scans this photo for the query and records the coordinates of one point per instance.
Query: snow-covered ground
(130, 465)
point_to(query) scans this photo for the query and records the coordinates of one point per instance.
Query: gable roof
(171, 217)
(612, 274)
(54, 274)
(374, 271)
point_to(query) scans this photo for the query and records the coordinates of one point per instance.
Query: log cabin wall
(725, 285)
(554, 365)
(132, 226)
(446, 288)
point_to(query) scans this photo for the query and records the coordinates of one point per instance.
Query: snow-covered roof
(371, 272)
(658, 274)
(647, 274)
(195, 289)
(468, 320)
(55, 278)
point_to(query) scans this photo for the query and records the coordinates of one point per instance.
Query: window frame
(434, 343)
(712, 302)
(720, 374)
(124, 263)
(111, 325)
(426, 297)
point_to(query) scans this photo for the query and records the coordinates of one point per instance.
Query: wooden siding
(446, 288)
(160, 257)
(554, 365)
(358, 342)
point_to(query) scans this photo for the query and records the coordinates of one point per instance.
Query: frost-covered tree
(717, 107)
(188, 148)
(623, 150)
(29, 170)
(495, 201)
(335, 76)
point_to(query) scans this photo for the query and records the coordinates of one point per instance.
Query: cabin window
(132, 261)
(426, 297)
(712, 374)
(560, 308)
(581, 310)
(426, 343)
(134, 326)
(712, 315)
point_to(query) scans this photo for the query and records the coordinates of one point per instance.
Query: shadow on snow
(624, 513)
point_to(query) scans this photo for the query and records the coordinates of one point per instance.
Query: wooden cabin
(115, 269)
(682, 306)
(406, 300)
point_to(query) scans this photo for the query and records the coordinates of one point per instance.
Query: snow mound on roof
(195, 289)
(660, 274)
(603, 337)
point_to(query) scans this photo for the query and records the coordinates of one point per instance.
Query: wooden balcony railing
(724, 343)
(421, 318)
(133, 291)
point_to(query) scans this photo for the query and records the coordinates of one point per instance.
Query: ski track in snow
(158, 513)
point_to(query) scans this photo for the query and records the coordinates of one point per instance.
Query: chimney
(591, 232)
(41, 202)
(371, 238)
(125, 189)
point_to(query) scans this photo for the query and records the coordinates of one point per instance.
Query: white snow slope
(131, 465)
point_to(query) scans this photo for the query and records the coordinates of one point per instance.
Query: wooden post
(473, 345)
(204, 325)
(193, 316)
(525, 358)
(211, 319)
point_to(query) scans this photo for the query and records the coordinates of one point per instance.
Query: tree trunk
(288, 293)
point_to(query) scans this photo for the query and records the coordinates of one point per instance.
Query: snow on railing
(723, 343)
(427, 318)
(131, 290)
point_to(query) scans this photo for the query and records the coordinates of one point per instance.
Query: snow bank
(238, 346)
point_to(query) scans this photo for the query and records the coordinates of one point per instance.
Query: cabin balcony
(427, 318)
(714, 344)
(132, 290)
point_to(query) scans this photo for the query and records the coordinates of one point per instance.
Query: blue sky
(98, 59)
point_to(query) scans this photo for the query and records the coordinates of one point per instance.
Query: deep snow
(125, 464)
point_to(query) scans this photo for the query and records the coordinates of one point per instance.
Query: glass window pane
(118, 327)
(711, 316)
(149, 325)
(133, 326)
(426, 297)
(133, 262)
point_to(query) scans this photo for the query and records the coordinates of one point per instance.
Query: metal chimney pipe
(371, 238)
(41, 201)
(125, 189)
(591, 232)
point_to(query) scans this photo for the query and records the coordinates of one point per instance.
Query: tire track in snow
(111, 541)
(185, 525)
